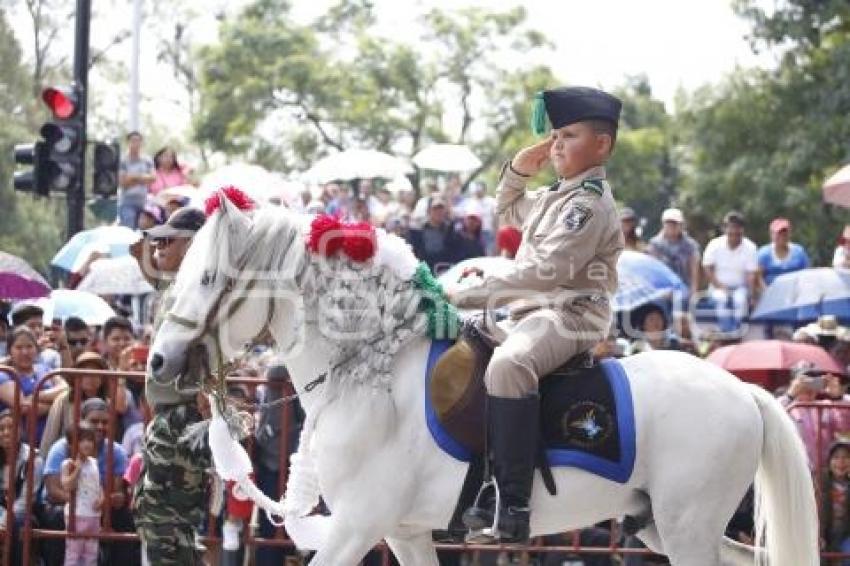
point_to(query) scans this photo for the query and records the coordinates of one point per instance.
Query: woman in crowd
(61, 413)
(23, 353)
(168, 172)
(808, 384)
(13, 478)
(835, 502)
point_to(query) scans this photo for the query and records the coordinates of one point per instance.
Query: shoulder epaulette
(593, 185)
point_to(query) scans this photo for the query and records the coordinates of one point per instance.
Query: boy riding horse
(558, 292)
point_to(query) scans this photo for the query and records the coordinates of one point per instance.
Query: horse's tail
(786, 518)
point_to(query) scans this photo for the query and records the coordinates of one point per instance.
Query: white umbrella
(190, 192)
(115, 276)
(447, 157)
(836, 189)
(398, 185)
(65, 303)
(356, 164)
(255, 181)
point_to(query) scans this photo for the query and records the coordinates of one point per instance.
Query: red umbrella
(767, 362)
(836, 189)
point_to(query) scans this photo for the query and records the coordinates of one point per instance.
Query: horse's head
(227, 289)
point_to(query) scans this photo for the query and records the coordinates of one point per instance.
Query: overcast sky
(676, 43)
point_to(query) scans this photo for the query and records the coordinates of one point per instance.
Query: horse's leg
(346, 544)
(690, 535)
(414, 550)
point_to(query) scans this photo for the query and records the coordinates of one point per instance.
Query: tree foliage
(764, 141)
(28, 228)
(336, 84)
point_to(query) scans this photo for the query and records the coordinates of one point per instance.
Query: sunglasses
(78, 342)
(163, 242)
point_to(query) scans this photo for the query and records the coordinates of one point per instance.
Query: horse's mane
(273, 250)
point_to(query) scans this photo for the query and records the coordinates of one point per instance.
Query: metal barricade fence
(28, 534)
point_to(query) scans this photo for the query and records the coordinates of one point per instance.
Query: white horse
(702, 435)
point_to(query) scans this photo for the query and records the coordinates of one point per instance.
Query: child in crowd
(80, 476)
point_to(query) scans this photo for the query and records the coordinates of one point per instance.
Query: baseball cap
(183, 223)
(672, 215)
(627, 213)
(778, 224)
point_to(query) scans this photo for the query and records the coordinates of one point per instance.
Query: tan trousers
(539, 344)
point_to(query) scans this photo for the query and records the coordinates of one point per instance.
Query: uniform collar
(597, 172)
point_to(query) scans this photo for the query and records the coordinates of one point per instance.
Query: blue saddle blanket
(587, 419)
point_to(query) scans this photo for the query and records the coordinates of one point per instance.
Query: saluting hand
(532, 159)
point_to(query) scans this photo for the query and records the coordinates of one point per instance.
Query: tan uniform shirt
(567, 260)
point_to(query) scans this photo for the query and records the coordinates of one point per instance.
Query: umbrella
(836, 189)
(356, 164)
(803, 296)
(115, 240)
(447, 157)
(115, 276)
(18, 280)
(257, 182)
(644, 279)
(65, 303)
(189, 192)
(767, 362)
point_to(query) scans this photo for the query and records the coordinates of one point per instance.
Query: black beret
(568, 105)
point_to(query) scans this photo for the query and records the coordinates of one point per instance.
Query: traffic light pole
(77, 191)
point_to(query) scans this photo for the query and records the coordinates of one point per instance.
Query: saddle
(457, 383)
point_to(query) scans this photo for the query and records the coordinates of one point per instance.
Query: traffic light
(31, 181)
(63, 137)
(105, 166)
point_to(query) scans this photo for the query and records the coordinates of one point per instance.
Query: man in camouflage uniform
(171, 495)
(558, 291)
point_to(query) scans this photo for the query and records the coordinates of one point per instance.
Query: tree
(642, 168)
(335, 84)
(764, 141)
(29, 228)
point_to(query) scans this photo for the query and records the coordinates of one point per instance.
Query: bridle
(210, 325)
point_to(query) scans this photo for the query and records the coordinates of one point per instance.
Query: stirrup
(485, 534)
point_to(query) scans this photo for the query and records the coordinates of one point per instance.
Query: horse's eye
(207, 278)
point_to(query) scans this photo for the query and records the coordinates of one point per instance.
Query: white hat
(672, 215)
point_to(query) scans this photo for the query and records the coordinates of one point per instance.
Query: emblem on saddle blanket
(587, 416)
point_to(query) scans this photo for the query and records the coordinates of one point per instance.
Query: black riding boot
(513, 427)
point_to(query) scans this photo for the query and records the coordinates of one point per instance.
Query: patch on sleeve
(576, 217)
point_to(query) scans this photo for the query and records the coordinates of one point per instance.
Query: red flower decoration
(319, 241)
(328, 235)
(233, 194)
(359, 243)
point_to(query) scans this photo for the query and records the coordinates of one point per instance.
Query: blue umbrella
(114, 240)
(644, 279)
(803, 296)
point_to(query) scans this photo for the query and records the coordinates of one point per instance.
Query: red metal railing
(29, 534)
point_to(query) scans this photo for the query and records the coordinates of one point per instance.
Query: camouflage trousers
(171, 495)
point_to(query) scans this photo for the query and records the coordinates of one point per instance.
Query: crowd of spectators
(88, 423)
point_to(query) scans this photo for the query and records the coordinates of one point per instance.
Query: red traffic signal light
(63, 102)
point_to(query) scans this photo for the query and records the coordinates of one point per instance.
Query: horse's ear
(235, 216)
